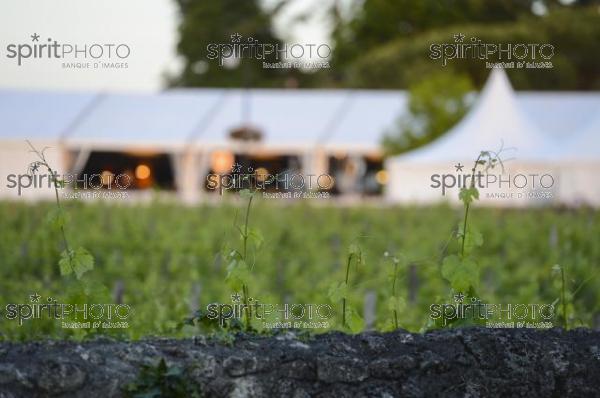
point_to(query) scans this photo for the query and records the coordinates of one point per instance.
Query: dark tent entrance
(143, 170)
(259, 166)
(357, 174)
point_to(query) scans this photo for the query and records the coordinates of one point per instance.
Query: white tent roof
(494, 121)
(585, 144)
(286, 118)
(296, 117)
(168, 119)
(363, 120)
(337, 119)
(42, 115)
(559, 114)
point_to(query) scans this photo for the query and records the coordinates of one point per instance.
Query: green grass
(161, 250)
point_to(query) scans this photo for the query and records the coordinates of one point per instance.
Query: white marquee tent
(495, 122)
(189, 124)
(580, 165)
(145, 124)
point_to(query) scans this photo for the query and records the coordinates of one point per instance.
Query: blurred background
(379, 114)
(176, 111)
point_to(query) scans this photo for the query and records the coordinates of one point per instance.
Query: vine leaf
(354, 321)
(354, 249)
(462, 274)
(246, 193)
(256, 236)
(337, 291)
(468, 195)
(78, 261)
(473, 239)
(238, 274)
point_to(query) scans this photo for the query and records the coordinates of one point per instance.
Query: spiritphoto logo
(279, 185)
(496, 315)
(500, 55)
(92, 182)
(72, 316)
(273, 55)
(522, 185)
(272, 315)
(71, 55)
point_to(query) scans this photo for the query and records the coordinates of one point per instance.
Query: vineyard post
(370, 308)
(195, 292)
(118, 291)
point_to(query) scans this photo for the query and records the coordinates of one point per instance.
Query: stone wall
(450, 363)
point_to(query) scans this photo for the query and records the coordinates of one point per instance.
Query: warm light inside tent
(261, 174)
(381, 177)
(107, 177)
(133, 172)
(222, 161)
(142, 172)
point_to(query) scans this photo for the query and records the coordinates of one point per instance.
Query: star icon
(236, 38)
(236, 168)
(235, 297)
(459, 167)
(35, 298)
(459, 37)
(459, 297)
(35, 37)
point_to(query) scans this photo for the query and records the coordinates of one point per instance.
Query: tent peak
(494, 120)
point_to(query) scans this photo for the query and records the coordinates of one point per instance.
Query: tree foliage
(377, 22)
(395, 63)
(385, 43)
(435, 105)
(207, 22)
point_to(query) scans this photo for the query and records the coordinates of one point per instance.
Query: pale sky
(148, 27)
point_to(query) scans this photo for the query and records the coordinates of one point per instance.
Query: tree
(386, 43)
(574, 33)
(207, 22)
(435, 105)
(377, 22)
